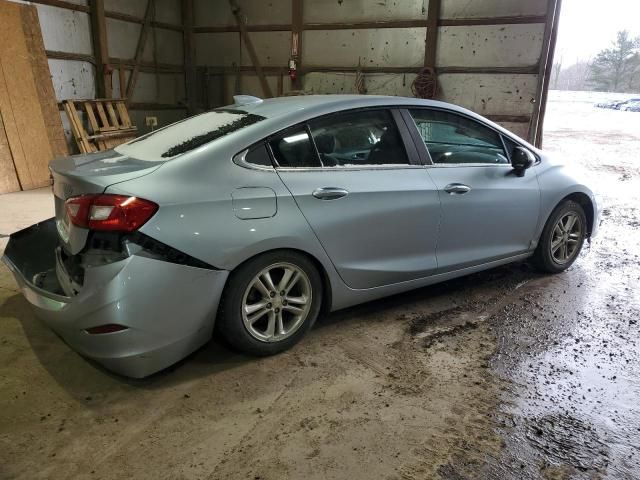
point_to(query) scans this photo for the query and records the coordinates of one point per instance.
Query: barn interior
(506, 373)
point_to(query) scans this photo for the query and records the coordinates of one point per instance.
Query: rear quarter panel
(197, 215)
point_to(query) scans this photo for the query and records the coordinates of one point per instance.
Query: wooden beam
(463, 22)
(127, 62)
(63, 4)
(150, 67)
(296, 40)
(536, 127)
(189, 55)
(100, 49)
(530, 70)
(142, 41)
(408, 23)
(431, 39)
(107, 13)
(509, 118)
(122, 84)
(132, 19)
(145, 106)
(237, 13)
(156, 106)
(236, 29)
(78, 57)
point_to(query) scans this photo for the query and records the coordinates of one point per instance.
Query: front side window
(361, 138)
(454, 139)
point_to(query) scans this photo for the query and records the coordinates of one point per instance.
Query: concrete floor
(504, 374)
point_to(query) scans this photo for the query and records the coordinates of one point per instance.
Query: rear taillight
(110, 212)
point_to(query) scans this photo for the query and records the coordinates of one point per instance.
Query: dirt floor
(506, 374)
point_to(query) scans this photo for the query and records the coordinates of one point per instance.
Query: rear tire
(562, 238)
(270, 303)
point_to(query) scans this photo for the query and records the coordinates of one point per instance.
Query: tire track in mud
(458, 338)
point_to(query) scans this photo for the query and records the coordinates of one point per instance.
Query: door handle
(330, 193)
(457, 189)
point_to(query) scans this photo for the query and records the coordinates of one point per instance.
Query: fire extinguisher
(293, 71)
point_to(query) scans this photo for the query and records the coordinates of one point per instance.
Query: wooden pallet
(108, 120)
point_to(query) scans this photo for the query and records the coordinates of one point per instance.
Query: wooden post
(431, 40)
(100, 49)
(142, 40)
(237, 12)
(189, 56)
(536, 127)
(297, 27)
(121, 80)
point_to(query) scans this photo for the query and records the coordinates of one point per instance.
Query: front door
(488, 212)
(366, 197)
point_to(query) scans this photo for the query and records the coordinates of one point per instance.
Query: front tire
(270, 302)
(562, 238)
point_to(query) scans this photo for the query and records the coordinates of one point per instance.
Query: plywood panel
(21, 98)
(43, 82)
(8, 177)
(13, 135)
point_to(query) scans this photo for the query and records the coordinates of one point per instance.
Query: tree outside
(615, 69)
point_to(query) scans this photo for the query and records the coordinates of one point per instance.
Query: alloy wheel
(276, 302)
(565, 238)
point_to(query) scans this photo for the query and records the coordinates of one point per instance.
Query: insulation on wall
(489, 54)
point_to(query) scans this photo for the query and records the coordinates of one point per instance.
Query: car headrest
(325, 143)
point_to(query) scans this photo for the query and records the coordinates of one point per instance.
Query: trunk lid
(89, 174)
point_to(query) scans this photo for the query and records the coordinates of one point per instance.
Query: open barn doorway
(593, 123)
(593, 108)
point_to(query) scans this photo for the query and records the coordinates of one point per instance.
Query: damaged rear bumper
(168, 309)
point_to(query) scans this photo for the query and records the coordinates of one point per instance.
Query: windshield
(187, 134)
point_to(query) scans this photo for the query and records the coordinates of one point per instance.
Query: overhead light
(296, 138)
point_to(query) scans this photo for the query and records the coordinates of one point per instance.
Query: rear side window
(454, 139)
(258, 155)
(294, 150)
(186, 135)
(361, 138)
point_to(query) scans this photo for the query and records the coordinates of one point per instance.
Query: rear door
(488, 212)
(357, 179)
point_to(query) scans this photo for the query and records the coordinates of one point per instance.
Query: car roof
(281, 112)
(306, 106)
(276, 115)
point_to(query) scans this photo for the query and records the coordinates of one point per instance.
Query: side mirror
(521, 160)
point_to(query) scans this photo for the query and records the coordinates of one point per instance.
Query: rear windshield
(187, 134)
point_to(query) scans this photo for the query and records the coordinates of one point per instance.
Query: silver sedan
(259, 216)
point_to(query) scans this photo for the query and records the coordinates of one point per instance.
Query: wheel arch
(327, 297)
(586, 203)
